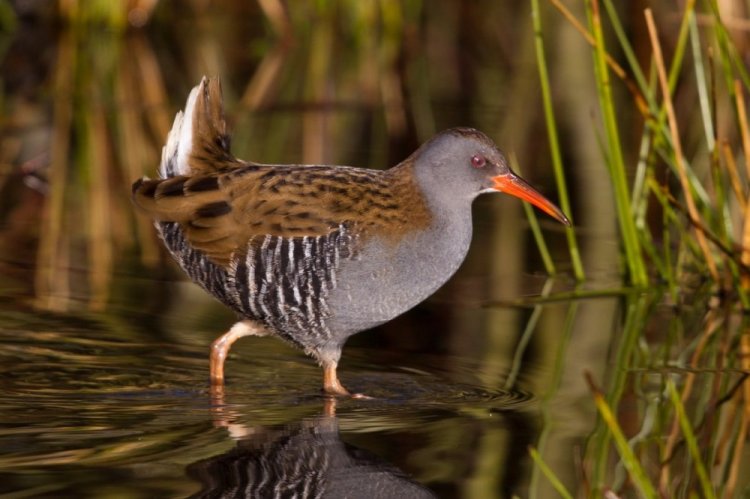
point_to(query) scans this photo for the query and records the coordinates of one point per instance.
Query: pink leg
(331, 384)
(220, 347)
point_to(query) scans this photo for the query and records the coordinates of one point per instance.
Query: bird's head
(459, 164)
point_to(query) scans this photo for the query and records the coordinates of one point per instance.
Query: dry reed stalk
(727, 435)
(264, 82)
(742, 118)
(316, 122)
(745, 243)
(734, 177)
(153, 94)
(712, 324)
(734, 469)
(52, 286)
(99, 240)
(618, 70)
(723, 432)
(679, 157)
(276, 13)
(135, 153)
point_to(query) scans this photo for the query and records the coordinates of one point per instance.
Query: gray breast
(388, 279)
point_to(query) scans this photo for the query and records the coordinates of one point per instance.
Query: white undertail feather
(175, 154)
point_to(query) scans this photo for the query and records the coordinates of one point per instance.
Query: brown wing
(222, 213)
(223, 204)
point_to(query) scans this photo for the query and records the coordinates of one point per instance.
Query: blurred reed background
(90, 90)
(657, 187)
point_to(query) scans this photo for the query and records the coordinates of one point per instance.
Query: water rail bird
(310, 253)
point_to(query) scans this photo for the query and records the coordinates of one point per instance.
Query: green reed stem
(629, 459)
(663, 141)
(733, 62)
(615, 160)
(721, 207)
(528, 332)
(637, 307)
(549, 265)
(691, 441)
(8, 25)
(552, 388)
(627, 49)
(700, 80)
(640, 202)
(551, 123)
(679, 51)
(547, 471)
(639, 199)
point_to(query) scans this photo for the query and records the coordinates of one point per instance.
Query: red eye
(478, 161)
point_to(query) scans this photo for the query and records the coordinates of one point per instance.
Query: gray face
(457, 165)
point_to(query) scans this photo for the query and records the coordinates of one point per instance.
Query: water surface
(95, 405)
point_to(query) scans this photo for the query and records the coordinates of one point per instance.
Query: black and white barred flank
(283, 282)
(211, 277)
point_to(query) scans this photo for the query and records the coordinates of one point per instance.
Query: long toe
(361, 396)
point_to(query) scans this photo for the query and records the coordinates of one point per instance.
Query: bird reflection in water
(303, 459)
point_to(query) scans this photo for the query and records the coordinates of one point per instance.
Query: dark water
(98, 405)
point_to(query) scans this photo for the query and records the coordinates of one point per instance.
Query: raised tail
(197, 150)
(198, 143)
(188, 196)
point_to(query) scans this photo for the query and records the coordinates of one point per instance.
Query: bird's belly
(386, 280)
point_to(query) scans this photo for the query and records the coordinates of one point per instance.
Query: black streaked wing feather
(221, 213)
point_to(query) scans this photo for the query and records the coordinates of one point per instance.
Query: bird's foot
(333, 387)
(345, 394)
(361, 396)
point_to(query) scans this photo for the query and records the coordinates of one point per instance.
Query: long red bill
(512, 184)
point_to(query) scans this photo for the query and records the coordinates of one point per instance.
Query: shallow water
(95, 406)
(117, 403)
